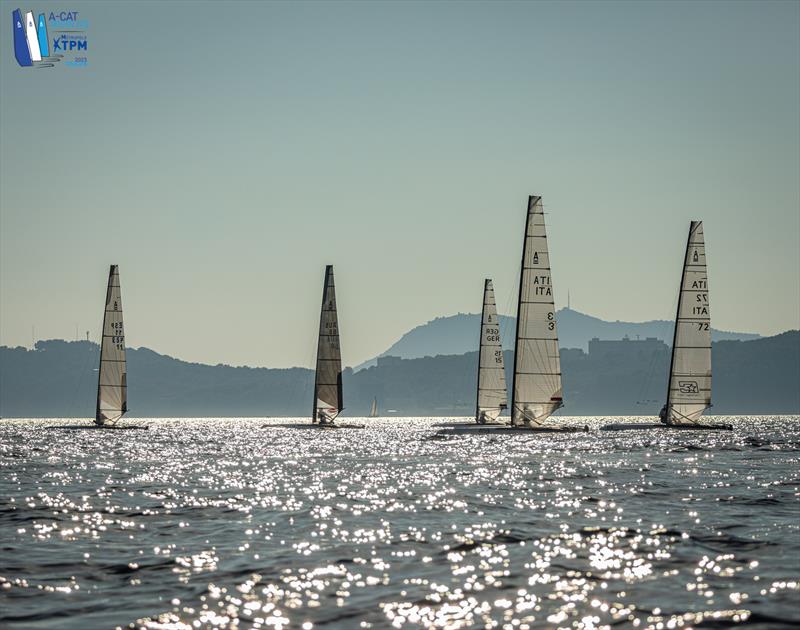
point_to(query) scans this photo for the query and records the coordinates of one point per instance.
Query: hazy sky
(222, 154)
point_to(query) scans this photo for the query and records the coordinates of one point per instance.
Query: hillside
(458, 334)
(58, 379)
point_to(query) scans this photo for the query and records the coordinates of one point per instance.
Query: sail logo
(42, 42)
(688, 387)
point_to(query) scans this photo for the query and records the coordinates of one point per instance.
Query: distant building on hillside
(572, 354)
(627, 349)
(388, 360)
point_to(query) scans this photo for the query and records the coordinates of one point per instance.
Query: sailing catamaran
(373, 411)
(328, 378)
(112, 386)
(492, 394)
(689, 385)
(536, 392)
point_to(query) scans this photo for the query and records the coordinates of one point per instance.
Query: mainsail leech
(537, 365)
(328, 377)
(492, 394)
(112, 387)
(689, 388)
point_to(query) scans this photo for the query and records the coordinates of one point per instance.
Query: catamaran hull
(504, 429)
(641, 426)
(313, 427)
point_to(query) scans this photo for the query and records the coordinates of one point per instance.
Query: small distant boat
(328, 376)
(32, 36)
(21, 50)
(373, 411)
(112, 385)
(492, 393)
(537, 391)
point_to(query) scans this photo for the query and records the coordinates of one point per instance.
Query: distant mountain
(59, 379)
(458, 334)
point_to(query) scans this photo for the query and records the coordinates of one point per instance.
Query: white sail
(492, 394)
(537, 364)
(112, 387)
(373, 412)
(328, 378)
(689, 393)
(32, 37)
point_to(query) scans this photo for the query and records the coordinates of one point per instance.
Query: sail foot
(324, 413)
(488, 415)
(534, 414)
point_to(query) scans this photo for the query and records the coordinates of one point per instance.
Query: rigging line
(72, 406)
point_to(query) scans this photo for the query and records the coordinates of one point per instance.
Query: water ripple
(245, 523)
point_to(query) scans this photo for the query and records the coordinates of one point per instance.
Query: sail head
(112, 385)
(689, 393)
(537, 391)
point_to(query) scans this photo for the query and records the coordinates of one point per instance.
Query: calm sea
(230, 523)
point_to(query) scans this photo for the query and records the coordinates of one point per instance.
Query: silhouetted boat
(328, 402)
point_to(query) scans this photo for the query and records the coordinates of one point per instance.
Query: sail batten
(537, 391)
(492, 394)
(112, 386)
(689, 386)
(328, 376)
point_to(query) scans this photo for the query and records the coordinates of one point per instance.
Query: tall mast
(480, 351)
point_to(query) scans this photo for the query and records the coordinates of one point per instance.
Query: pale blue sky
(222, 154)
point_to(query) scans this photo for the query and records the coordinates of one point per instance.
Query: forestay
(112, 387)
(689, 393)
(328, 378)
(492, 394)
(537, 365)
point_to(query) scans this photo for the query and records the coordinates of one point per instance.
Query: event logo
(48, 40)
(688, 387)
